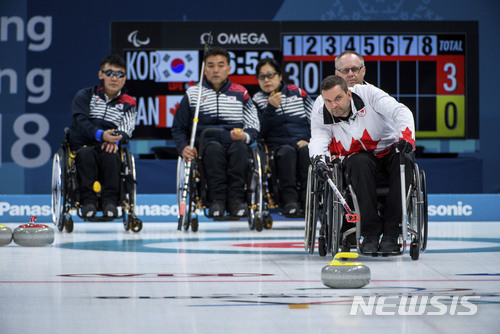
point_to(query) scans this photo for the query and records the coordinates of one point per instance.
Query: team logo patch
(362, 112)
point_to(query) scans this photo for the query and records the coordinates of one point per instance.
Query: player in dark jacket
(285, 112)
(103, 118)
(226, 106)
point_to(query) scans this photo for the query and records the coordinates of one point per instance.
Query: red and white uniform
(376, 123)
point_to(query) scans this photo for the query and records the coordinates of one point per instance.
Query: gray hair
(348, 52)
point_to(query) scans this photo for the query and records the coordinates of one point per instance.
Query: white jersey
(376, 123)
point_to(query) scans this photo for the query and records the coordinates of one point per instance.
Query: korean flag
(177, 66)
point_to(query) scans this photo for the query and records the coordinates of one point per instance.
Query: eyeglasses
(110, 73)
(268, 76)
(353, 69)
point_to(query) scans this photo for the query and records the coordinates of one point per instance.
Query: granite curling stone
(33, 235)
(5, 235)
(339, 274)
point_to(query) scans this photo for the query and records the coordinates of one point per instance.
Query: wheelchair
(192, 191)
(324, 211)
(270, 186)
(66, 195)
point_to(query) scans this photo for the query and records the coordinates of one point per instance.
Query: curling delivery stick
(351, 217)
(187, 168)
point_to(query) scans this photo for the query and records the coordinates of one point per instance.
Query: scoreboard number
(329, 45)
(427, 45)
(246, 62)
(308, 77)
(366, 45)
(450, 118)
(451, 71)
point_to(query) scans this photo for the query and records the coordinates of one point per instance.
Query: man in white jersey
(362, 126)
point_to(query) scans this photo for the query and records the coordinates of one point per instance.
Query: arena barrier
(163, 208)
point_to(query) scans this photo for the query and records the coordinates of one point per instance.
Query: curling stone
(5, 235)
(339, 274)
(33, 235)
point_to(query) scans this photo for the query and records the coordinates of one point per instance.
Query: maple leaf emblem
(174, 109)
(365, 143)
(368, 142)
(407, 136)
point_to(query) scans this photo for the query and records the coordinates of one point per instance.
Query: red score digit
(450, 75)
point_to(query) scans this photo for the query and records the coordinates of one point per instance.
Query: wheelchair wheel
(189, 218)
(194, 224)
(129, 193)
(68, 224)
(259, 223)
(255, 195)
(310, 232)
(322, 246)
(417, 214)
(135, 224)
(184, 194)
(325, 218)
(126, 222)
(425, 222)
(268, 222)
(270, 178)
(414, 250)
(336, 211)
(251, 219)
(130, 170)
(58, 189)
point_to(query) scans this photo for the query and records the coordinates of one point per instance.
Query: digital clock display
(432, 67)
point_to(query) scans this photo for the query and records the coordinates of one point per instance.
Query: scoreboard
(432, 67)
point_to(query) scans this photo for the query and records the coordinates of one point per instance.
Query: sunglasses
(268, 76)
(353, 69)
(118, 74)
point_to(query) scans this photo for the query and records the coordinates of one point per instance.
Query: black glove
(321, 170)
(404, 146)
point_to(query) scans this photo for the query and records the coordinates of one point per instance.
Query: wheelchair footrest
(227, 218)
(100, 219)
(297, 216)
(383, 254)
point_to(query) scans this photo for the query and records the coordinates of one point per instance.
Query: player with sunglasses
(284, 111)
(350, 66)
(103, 118)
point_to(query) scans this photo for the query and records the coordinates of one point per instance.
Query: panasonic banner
(163, 208)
